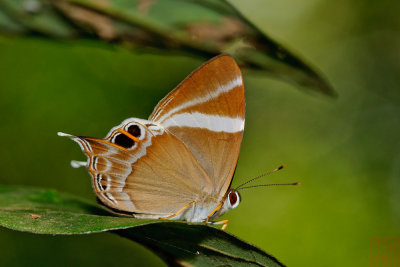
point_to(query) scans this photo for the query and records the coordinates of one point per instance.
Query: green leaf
(198, 245)
(45, 211)
(7, 25)
(59, 213)
(205, 28)
(37, 16)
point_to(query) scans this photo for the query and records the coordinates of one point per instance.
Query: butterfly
(179, 163)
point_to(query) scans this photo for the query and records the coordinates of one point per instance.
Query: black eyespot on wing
(124, 141)
(134, 130)
(233, 198)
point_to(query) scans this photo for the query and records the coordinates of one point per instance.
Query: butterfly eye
(134, 130)
(234, 199)
(124, 141)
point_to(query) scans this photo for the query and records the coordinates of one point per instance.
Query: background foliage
(344, 151)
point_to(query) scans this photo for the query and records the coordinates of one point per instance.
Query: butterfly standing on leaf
(178, 164)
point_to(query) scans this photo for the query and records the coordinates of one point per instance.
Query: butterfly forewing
(206, 112)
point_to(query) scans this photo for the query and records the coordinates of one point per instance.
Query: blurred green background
(346, 152)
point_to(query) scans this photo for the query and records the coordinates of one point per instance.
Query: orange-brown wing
(142, 169)
(206, 111)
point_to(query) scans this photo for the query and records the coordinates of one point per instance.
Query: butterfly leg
(224, 222)
(214, 211)
(179, 211)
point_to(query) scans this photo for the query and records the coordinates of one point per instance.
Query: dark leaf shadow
(181, 244)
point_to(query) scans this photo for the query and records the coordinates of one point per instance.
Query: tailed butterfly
(178, 164)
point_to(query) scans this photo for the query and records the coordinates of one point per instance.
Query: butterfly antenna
(262, 175)
(262, 185)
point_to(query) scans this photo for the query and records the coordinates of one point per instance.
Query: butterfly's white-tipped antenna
(262, 185)
(262, 175)
(240, 187)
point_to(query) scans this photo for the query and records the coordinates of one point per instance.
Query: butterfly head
(231, 201)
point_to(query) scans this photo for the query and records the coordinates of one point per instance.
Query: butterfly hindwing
(153, 175)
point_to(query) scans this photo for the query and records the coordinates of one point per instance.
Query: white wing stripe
(211, 122)
(223, 88)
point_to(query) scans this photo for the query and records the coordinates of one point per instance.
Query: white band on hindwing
(214, 123)
(223, 88)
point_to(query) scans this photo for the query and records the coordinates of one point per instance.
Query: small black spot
(134, 130)
(124, 141)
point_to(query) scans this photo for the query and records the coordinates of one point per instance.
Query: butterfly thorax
(210, 206)
(198, 212)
